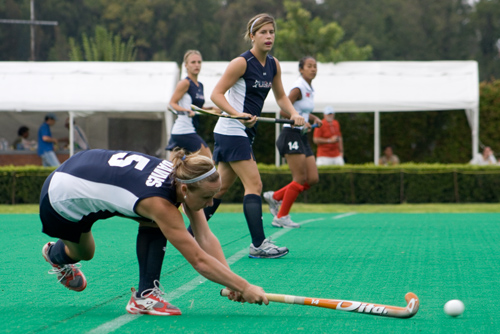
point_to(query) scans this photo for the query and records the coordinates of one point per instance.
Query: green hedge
(351, 184)
(20, 185)
(407, 183)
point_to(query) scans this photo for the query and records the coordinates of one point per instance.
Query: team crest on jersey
(262, 84)
(308, 94)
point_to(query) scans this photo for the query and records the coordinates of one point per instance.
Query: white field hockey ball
(454, 308)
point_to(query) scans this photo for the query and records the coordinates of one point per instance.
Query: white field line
(116, 323)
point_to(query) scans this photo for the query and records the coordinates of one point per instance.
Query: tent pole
(376, 138)
(473, 120)
(475, 132)
(71, 136)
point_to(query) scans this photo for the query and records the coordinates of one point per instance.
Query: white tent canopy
(380, 87)
(85, 87)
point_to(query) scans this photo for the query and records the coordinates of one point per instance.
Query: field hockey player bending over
(99, 184)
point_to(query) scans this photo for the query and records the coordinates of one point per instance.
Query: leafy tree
(406, 30)
(486, 21)
(163, 29)
(73, 17)
(232, 19)
(103, 47)
(301, 35)
(14, 38)
(490, 114)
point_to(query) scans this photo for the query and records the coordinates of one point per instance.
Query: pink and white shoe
(68, 275)
(151, 302)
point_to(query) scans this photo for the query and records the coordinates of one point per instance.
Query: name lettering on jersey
(159, 174)
(262, 84)
(199, 96)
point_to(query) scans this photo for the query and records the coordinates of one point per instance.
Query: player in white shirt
(293, 144)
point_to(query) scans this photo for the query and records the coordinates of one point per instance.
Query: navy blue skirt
(292, 141)
(232, 148)
(191, 142)
(55, 225)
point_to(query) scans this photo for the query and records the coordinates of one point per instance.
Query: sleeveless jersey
(304, 106)
(102, 184)
(184, 124)
(248, 95)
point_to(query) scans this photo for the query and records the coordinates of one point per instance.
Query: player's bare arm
(170, 221)
(209, 242)
(294, 95)
(181, 89)
(282, 99)
(204, 236)
(234, 71)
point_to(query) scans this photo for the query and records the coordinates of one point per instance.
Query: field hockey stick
(304, 129)
(349, 306)
(260, 119)
(175, 112)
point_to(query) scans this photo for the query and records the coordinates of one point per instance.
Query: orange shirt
(328, 130)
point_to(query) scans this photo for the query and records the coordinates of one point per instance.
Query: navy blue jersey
(108, 183)
(184, 124)
(258, 82)
(248, 95)
(196, 93)
(197, 98)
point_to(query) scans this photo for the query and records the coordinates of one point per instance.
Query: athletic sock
(292, 191)
(306, 186)
(279, 194)
(209, 211)
(252, 207)
(57, 254)
(151, 244)
(190, 230)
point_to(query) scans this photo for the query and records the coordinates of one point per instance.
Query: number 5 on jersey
(117, 160)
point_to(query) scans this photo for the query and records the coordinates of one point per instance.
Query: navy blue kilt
(232, 148)
(292, 141)
(56, 226)
(191, 142)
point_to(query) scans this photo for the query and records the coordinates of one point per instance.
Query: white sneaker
(274, 205)
(268, 250)
(285, 222)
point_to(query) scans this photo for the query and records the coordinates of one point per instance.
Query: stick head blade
(413, 304)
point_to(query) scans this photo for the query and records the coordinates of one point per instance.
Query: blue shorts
(55, 225)
(232, 148)
(292, 141)
(190, 142)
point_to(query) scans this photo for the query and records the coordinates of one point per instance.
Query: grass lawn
(332, 208)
